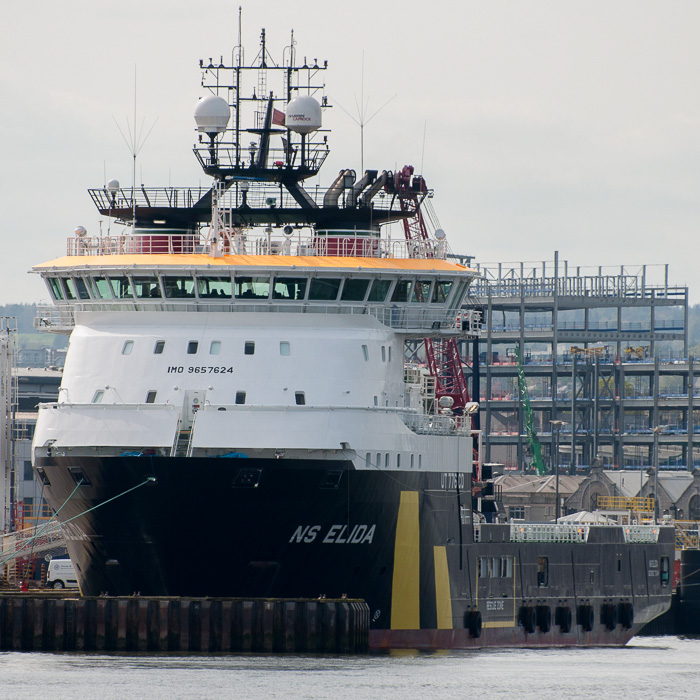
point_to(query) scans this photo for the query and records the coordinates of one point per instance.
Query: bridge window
(147, 287)
(285, 348)
(354, 290)
(249, 347)
(121, 289)
(441, 291)
(159, 347)
(81, 288)
(240, 397)
(365, 353)
(289, 288)
(100, 288)
(300, 398)
(215, 347)
(192, 347)
(402, 291)
(56, 289)
(322, 289)
(483, 567)
(214, 287)
(379, 290)
(421, 291)
(252, 287)
(99, 395)
(178, 287)
(69, 288)
(127, 347)
(151, 396)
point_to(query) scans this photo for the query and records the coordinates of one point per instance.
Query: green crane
(535, 447)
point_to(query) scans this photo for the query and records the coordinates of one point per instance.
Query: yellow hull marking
(443, 600)
(405, 589)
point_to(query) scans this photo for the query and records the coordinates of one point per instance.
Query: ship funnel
(212, 114)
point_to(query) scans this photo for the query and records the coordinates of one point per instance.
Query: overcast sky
(542, 125)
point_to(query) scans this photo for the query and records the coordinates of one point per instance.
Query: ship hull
(401, 540)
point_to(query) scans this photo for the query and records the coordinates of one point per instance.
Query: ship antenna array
(135, 142)
(362, 108)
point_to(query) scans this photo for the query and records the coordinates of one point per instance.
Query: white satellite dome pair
(212, 114)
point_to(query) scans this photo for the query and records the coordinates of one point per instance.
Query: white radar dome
(440, 234)
(303, 115)
(113, 186)
(212, 114)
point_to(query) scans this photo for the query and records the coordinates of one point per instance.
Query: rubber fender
(625, 613)
(474, 623)
(608, 615)
(544, 617)
(564, 618)
(528, 618)
(586, 617)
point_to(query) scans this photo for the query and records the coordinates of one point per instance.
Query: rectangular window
(69, 288)
(386, 460)
(289, 288)
(390, 353)
(192, 347)
(178, 287)
(215, 347)
(56, 289)
(249, 347)
(147, 287)
(127, 347)
(214, 287)
(97, 398)
(100, 288)
(354, 290)
(300, 398)
(28, 471)
(322, 289)
(516, 512)
(412, 460)
(421, 291)
(368, 460)
(252, 287)
(365, 352)
(383, 353)
(284, 347)
(376, 401)
(441, 291)
(402, 291)
(398, 460)
(378, 462)
(159, 347)
(151, 397)
(542, 572)
(121, 289)
(82, 288)
(506, 567)
(379, 290)
(240, 397)
(482, 567)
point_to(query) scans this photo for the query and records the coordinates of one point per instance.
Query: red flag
(277, 117)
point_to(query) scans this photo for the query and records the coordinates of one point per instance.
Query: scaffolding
(604, 350)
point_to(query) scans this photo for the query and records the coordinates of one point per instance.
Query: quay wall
(198, 625)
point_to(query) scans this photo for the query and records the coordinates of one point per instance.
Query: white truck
(61, 574)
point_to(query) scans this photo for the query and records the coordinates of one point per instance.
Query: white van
(61, 574)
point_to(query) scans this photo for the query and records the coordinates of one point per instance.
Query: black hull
(402, 541)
